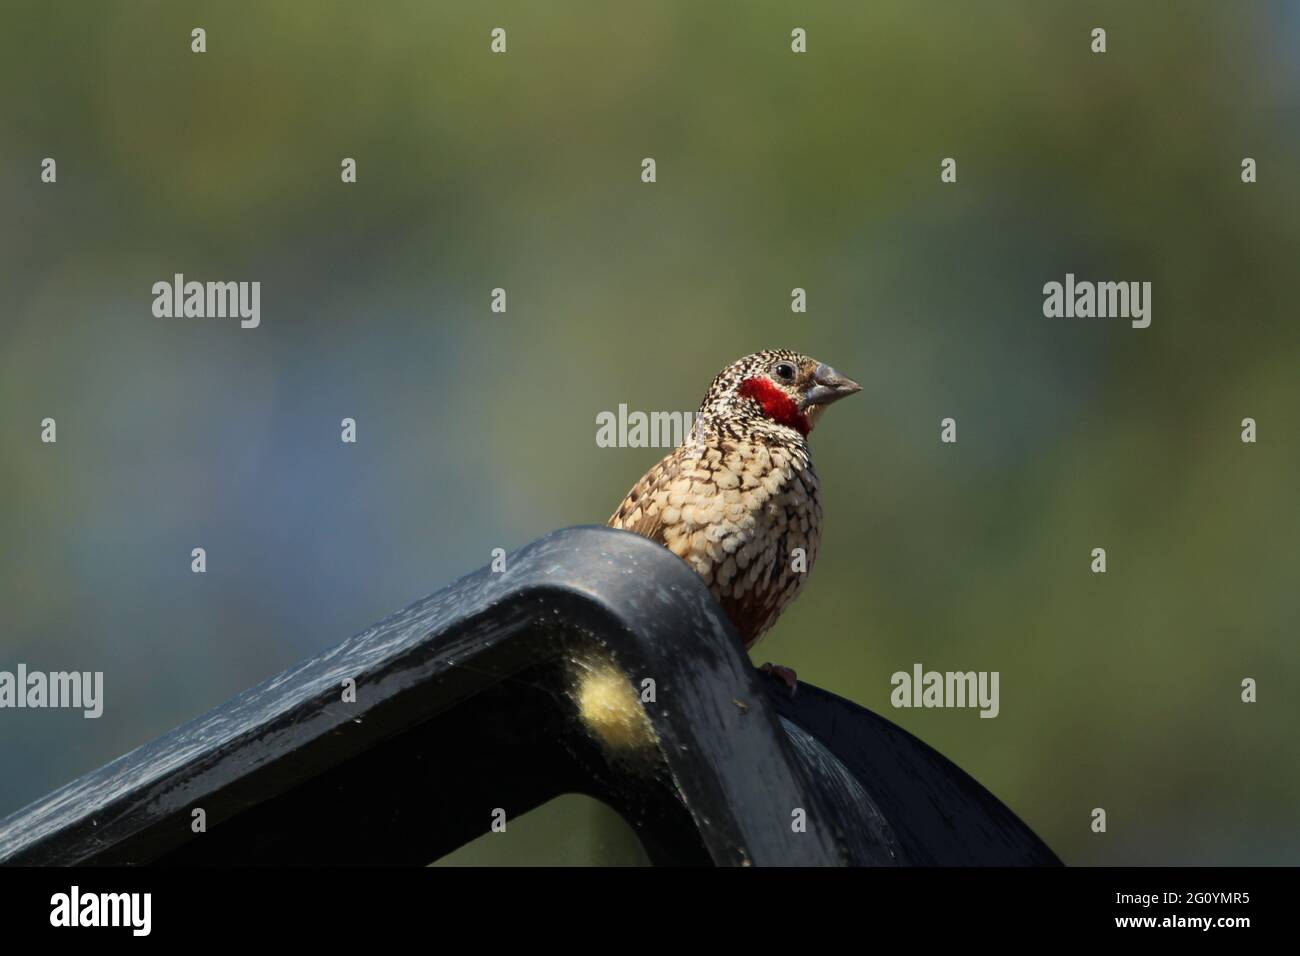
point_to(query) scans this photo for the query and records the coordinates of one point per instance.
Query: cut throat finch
(740, 495)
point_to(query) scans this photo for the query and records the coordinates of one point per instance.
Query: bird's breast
(748, 521)
(746, 516)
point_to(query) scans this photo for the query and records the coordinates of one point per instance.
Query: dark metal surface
(467, 702)
(920, 805)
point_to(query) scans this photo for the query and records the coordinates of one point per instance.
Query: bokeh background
(477, 430)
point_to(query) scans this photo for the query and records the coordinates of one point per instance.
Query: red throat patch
(777, 405)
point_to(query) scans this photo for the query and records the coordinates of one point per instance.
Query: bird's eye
(784, 371)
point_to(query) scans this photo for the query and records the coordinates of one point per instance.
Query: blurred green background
(477, 430)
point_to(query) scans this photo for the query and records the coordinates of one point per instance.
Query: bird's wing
(640, 511)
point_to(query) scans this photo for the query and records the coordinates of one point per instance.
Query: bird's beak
(829, 386)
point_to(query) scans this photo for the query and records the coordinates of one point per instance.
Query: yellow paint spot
(611, 709)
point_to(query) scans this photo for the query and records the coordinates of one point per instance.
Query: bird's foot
(786, 674)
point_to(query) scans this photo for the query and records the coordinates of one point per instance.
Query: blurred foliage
(774, 171)
(571, 830)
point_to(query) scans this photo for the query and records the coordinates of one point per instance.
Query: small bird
(739, 495)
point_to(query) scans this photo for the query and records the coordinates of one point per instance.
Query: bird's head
(775, 389)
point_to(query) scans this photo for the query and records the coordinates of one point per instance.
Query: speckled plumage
(740, 494)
